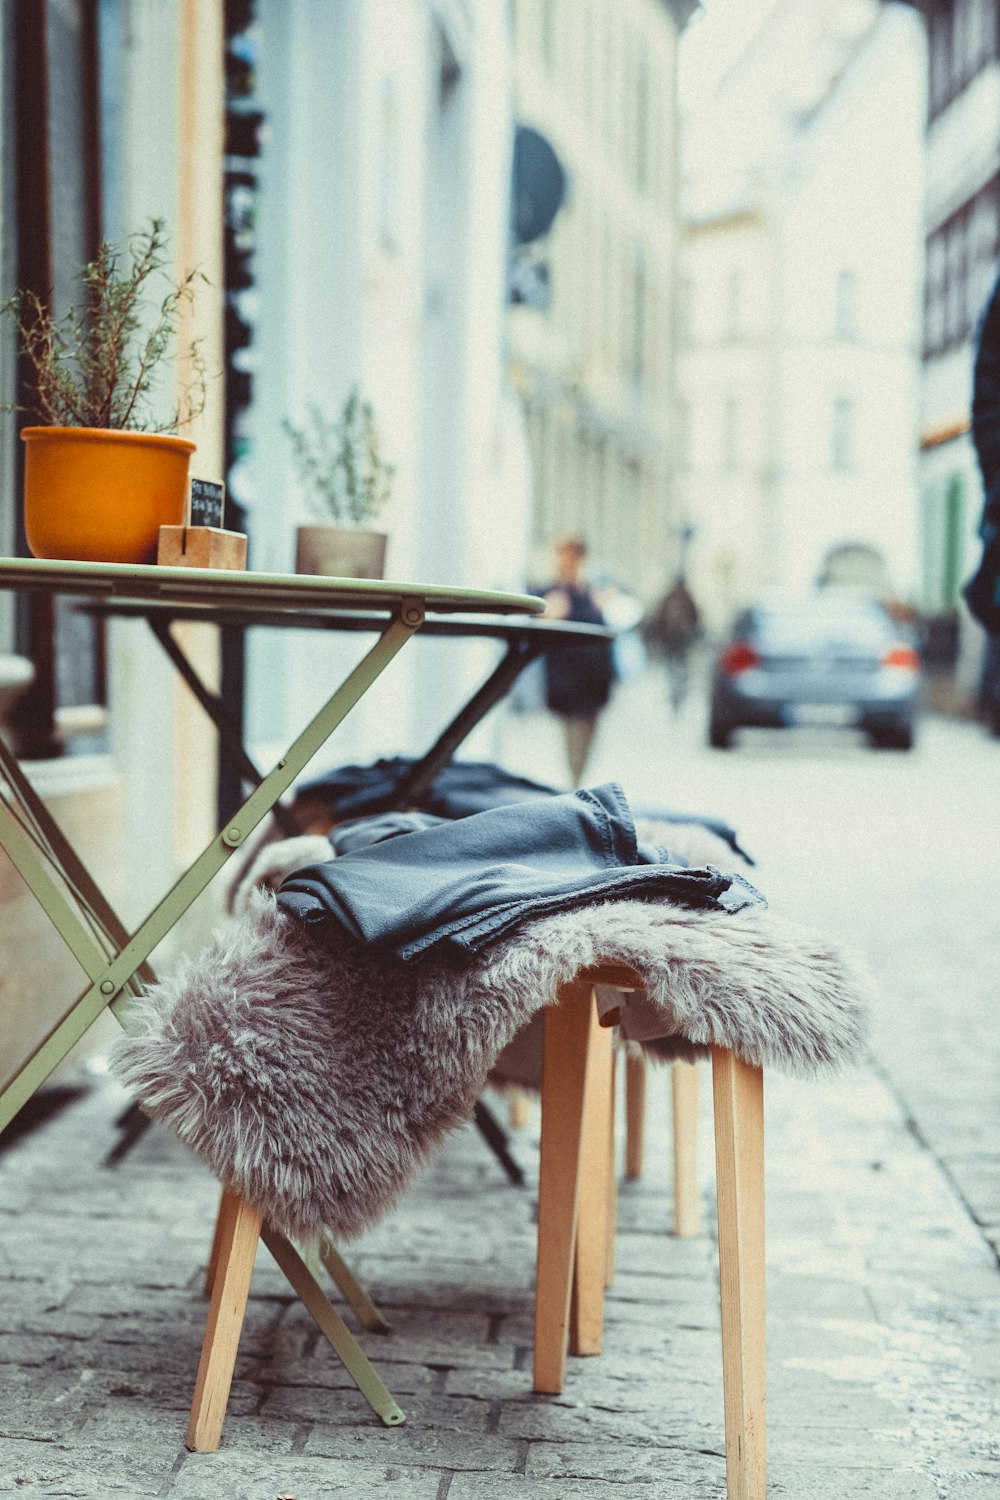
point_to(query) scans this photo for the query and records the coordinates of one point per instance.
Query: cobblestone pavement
(883, 1309)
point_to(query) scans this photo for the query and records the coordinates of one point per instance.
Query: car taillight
(901, 656)
(738, 657)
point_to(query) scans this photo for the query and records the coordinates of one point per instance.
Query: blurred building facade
(962, 230)
(800, 307)
(594, 365)
(381, 229)
(111, 115)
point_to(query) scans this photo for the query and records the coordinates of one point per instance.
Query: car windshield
(805, 628)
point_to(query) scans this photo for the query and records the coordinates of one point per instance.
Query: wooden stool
(574, 1220)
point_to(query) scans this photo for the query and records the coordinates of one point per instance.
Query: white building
(801, 306)
(383, 224)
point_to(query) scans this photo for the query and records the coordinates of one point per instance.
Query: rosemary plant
(100, 363)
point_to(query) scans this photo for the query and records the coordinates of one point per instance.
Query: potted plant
(101, 474)
(347, 482)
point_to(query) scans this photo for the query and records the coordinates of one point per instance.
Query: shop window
(954, 533)
(50, 226)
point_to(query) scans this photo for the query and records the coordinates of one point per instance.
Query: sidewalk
(883, 1308)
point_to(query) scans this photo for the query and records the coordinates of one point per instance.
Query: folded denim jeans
(461, 788)
(461, 885)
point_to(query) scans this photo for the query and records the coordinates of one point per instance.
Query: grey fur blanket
(314, 1076)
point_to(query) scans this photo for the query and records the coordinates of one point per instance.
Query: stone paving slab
(880, 1374)
(883, 1310)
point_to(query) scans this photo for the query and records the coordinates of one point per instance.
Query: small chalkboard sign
(207, 501)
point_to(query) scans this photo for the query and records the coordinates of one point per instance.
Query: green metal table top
(222, 590)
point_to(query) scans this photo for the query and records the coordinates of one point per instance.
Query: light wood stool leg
(213, 1254)
(570, 1029)
(518, 1109)
(238, 1232)
(687, 1205)
(635, 1115)
(739, 1152)
(610, 1266)
(590, 1263)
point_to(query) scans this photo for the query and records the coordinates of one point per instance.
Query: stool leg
(687, 1207)
(570, 1028)
(518, 1109)
(610, 1265)
(739, 1152)
(239, 1230)
(213, 1254)
(635, 1115)
(590, 1262)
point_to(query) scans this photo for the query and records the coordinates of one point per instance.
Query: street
(882, 1203)
(894, 853)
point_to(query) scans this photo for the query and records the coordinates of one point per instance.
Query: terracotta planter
(93, 495)
(340, 552)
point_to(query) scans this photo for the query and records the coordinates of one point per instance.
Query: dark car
(829, 659)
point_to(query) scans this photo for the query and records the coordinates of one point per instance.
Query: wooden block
(201, 547)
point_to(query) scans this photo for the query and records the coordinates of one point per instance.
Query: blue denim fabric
(464, 787)
(459, 789)
(358, 833)
(463, 884)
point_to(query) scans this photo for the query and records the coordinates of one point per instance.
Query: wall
(383, 234)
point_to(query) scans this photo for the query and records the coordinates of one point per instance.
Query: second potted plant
(101, 473)
(346, 482)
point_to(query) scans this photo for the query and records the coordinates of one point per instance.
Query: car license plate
(833, 715)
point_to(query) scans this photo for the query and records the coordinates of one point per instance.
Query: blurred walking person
(578, 679)
(675, 628)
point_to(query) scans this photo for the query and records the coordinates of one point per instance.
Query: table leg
(333, 1328)
(110, 979)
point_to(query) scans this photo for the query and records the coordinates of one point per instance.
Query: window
(640, 313)
(961, 265)
(730, 433)
(643, 106)
(842, 435)
(682, 434)
(547, 27)
(50, 58)
(845, 313)
(685, 310)
(963, 39)
(734, 305)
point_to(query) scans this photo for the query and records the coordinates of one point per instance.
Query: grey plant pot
(340, 552)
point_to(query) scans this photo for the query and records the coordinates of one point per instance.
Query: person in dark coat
(578, 679)
(675, 628)
(982, 592)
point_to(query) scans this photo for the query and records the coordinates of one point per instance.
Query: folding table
(116, 961)
(524, 641)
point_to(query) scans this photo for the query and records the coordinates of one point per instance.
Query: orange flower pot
(94, 495)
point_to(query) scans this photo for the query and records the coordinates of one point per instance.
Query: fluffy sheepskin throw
(313, 1075)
